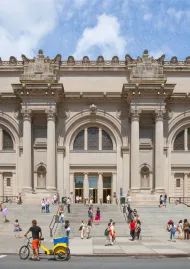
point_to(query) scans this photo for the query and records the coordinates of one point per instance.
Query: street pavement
(9, 262)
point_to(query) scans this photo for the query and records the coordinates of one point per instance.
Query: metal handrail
(181, 200)
(53, 221)
(9, 199)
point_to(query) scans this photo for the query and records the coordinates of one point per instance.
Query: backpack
(173, 230)
(106, 232)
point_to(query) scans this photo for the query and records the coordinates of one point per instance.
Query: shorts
(43, 207)
(97, 218)
(35, 243)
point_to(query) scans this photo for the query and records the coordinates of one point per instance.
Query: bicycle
(60, 250)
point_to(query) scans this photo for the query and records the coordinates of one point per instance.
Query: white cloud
(24, 23)
(105, 36)
(177, 14)
(147, 17)
(163, 50)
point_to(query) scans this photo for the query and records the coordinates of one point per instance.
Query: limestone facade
(95, 127)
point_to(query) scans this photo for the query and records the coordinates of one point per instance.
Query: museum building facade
(95, 127)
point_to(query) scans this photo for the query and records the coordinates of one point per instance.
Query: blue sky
(95, 27)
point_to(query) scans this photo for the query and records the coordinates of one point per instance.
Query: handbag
(80, 229)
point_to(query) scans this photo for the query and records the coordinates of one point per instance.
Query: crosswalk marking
(2, 256)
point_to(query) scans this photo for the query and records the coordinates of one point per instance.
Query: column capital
(135, 114)
(85, 173)
(27, 114)
(159, 114)
(51, 114)
(100, 173)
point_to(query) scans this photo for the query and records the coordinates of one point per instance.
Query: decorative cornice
(71, 64)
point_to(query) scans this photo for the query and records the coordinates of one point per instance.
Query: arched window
(93, 138)
(96, 139)
(106, 141)
(145, 177)
(41, 173)
(7, 141)
(79, 141)
(179, 142)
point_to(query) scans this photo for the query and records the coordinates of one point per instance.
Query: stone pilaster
(159, 151)
(114, 188)
(27, 150)
(1, 185)
(86, 186)
(135, 175)
(71, 194)
(51, 164)
(1, 138)
(185, 185)
(100, 187)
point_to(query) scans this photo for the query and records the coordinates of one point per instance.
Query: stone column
(86, 185)
(186, 139)
(100, 187)
(1, 185)
(159, 151)
(1, 138)
(85, 139)
(27, 151)
(51, 167)
(185, 185)
(100, 139)
(135, 175)
(114, 188)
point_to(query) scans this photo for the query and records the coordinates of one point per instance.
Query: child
(67, 229)
(17, 229)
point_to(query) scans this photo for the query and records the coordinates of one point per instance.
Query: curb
(136, 256)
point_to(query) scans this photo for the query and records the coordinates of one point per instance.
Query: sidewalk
(96, 246)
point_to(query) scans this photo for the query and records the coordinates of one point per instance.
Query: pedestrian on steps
(132, 229)
(186, 229)
(43, 205)
(68, 205)
(82, 229)
(89, 227)
(108, 234)
(97, 217)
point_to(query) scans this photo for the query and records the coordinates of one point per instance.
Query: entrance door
(106, 192)
(106, 188)
(93, 193)
(93, 188)
(79, 188)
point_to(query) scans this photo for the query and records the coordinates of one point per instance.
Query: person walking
(43, 205)
(97, 217)
(68, 205)
(5, 213)
(108, 199)
(161, 201)
(89, 227)
(180, 230)
(113, 232)
(138, 229)
(36, 237)
(186, 229)
(61, 215)
(108, 234)
(165, 200)
(82, 229)
(47, 203)
(132, 229)
(67, 229)
(172, 232)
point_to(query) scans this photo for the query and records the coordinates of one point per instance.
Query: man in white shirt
(108, 199)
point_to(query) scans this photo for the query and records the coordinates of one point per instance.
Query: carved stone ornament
(159, 114)
(57, 59)
(85, 60)
(135, 114)
(25, 59)
(160, 60)
(147, 70)
(128, 59)
(100, 60)
(169, 114)
(63, 113)
(174, 60)
(115, 60)
(51, 114)
(12, 60)
(93, 109)
(187, 60)
(38, 70)
(71, 60)
(139, 60)
(121, 113)
(27, 114)
(18, 114)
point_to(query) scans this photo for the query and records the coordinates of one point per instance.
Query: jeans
(67, 233)
(172, 236)
(60, 219)
(47, 209)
